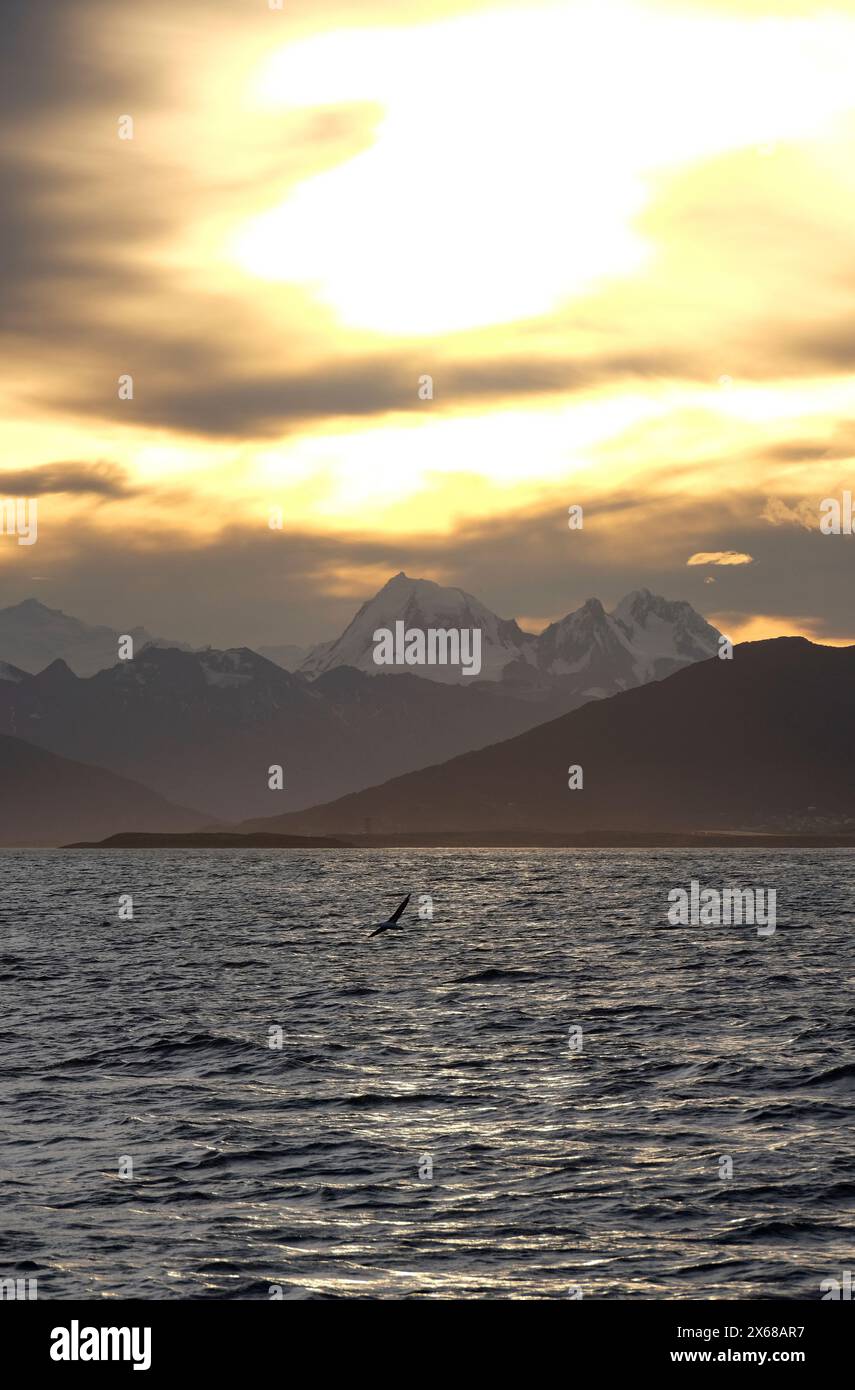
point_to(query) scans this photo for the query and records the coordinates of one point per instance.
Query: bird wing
(377, 932)
(398, 910)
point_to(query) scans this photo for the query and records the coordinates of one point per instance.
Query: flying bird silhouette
(393, 920)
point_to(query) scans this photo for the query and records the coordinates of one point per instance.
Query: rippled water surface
(447, 1043)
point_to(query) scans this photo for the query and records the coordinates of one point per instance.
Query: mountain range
(32, 636)
(763, 740)
(202, 728)
(589, 653)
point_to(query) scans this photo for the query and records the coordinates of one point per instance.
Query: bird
(393, 920)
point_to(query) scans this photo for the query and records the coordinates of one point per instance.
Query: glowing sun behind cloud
(516, 150)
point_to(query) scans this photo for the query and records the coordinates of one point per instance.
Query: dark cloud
(49, 57)
(837, 444)
(800, 451)
(213, 400)
(93, 479)
(830, 350)
(72, 265)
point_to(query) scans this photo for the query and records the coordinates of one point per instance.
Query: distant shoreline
(205, 839)
(458, 840)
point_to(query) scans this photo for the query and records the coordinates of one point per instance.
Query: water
(299, 1168)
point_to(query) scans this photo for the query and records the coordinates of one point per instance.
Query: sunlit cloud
(760, 627)
(780, 513)
(448, 219)
(720, 557)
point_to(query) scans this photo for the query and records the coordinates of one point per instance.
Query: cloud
(219, 398)
(95, 479)
(95, 286)
(838, 443)
(49, 59)
(720, 557)
(780, 513)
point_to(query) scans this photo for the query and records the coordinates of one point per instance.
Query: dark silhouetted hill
(763, 741)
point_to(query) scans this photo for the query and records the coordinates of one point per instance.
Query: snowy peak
(421, 604)
(590, 652)
(644, 638)
(156, 670)
(663, 634)
(237, 666)
(33, 635)
(588, 640)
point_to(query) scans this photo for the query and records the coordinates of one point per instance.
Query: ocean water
(430, 1126)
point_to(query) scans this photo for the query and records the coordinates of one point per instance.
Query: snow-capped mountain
(32, 636)
(663, 634)
(202, 728)
(643, 639)
(589, 646)
(589, 653)
(421, 604)
(586, 655)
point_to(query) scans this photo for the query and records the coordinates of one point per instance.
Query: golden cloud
(720, 557)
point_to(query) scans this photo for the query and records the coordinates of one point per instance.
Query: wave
(495, 973)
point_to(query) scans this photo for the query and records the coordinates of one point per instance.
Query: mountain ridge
(33, 635)
(47, 799)
(588, 652)
(584, 655)
(204, 728)
(756, 743)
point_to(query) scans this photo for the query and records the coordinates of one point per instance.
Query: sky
(412, 281)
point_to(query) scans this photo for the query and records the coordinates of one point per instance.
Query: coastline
(522, 839)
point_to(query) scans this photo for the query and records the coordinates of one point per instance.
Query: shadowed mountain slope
(48, 800)
(765, 740)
